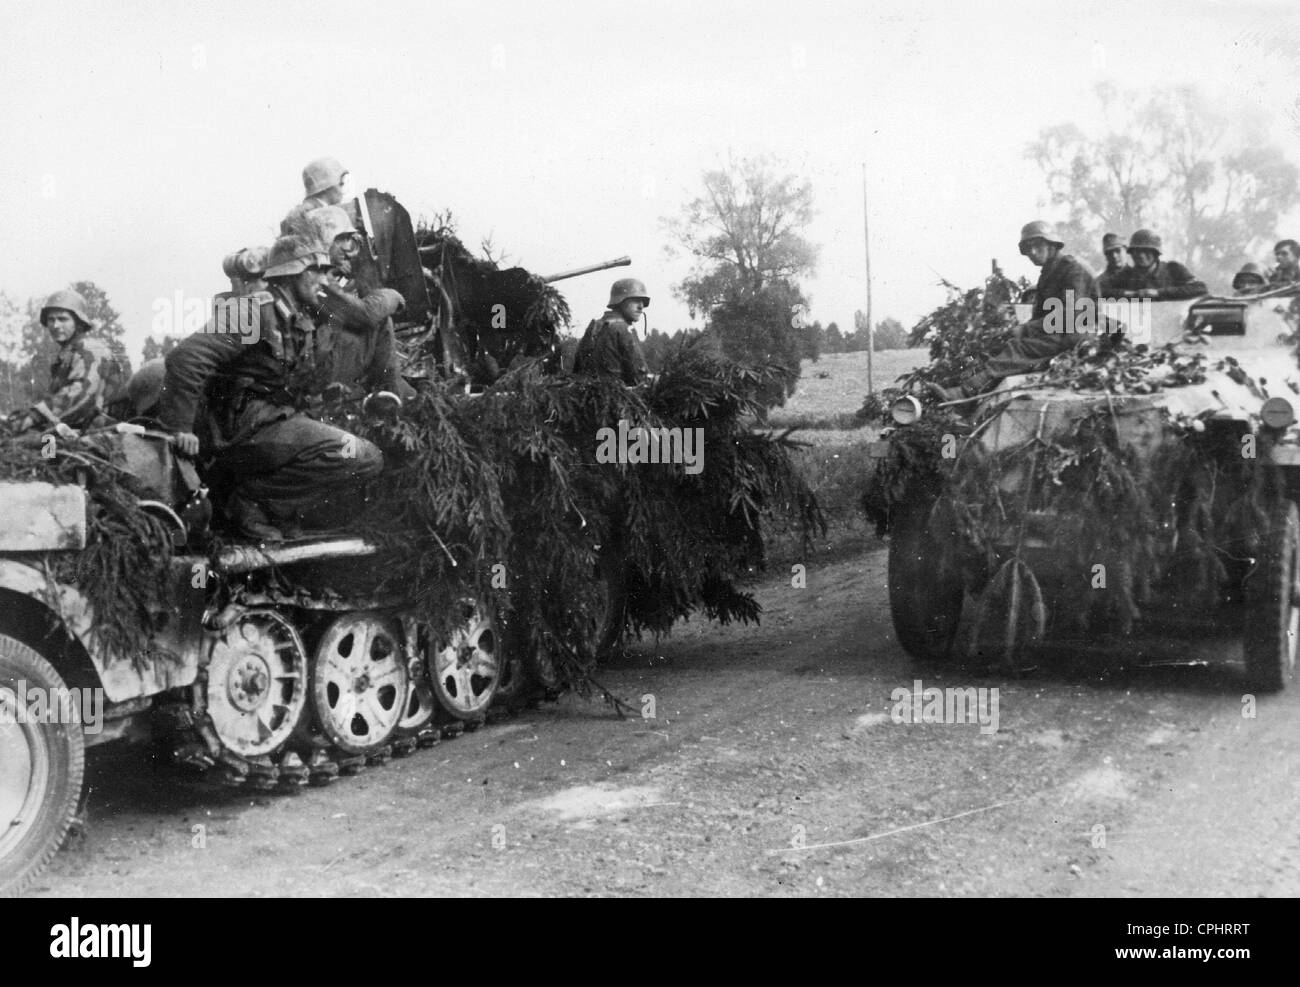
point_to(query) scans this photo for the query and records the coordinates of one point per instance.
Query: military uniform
(1278, 276)
(1170, 279)
(609, 348)
(84, 379)
(1106, 279)
(1036, 346)
(277, 464)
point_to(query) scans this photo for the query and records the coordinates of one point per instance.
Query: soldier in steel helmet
(276, 468)
(1112, 246)
(84, 375)
(1151, 277)
(353, 303)
(609, 347)
(1063, 280)
(1250, 280)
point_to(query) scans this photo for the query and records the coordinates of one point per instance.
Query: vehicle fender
(121, 679)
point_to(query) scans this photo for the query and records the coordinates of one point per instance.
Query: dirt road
(771, 766)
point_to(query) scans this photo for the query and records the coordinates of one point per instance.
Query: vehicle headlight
(907, 409)
(1277, 413)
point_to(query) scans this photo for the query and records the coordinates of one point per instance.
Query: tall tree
(746, 232)
(1210, 184)
(834, 339)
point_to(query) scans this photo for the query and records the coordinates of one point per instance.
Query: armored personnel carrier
(1131, 488)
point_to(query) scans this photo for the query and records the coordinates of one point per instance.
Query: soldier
(1287, 253)
(1151, 277)
(609, 347)
(1062, 282)
(278, 468)
(1250, 280)
(323, 181)
(84, 375)
(1113, 247)
(358, 303)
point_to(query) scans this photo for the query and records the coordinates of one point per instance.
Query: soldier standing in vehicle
(1151, 277)
(609, 347)
(1113, 247)
(1287, 254)
(84, 375)
(1062, 280)
(278, 469)
(1250, 280)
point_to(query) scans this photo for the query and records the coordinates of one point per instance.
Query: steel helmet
(325, 224)
(1110, 241)
(1039, 230)
(293, 255)
(1145, 240)
(1248, 269)
(69, 301)
(144, 388)
(321, 174)
(625, 288)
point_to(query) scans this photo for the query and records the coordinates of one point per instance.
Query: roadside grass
(831, 391)
(834, 459)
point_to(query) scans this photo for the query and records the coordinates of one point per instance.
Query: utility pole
(866, 249)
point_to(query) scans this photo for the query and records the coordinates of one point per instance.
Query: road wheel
(360, 682)
(925, 590)
(467, 667)
(41, 767)
(1272, 592)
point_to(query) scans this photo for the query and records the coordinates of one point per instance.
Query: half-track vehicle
(263, 670)
(1151, 490)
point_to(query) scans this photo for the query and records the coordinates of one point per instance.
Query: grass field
(828, 401)
(835, 461)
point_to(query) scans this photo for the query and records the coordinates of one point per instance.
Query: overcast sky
(144, 140)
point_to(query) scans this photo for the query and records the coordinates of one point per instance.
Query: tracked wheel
(256, 693)
(360, 682)
(467, 668)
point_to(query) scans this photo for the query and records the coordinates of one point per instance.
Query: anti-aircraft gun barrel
(589, 269)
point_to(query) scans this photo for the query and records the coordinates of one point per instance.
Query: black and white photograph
(651, 450)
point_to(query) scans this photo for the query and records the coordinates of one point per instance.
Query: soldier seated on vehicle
(1250, 280)
(357, 301)
(1287, 254)
(1113, 247)
(1151, 277)
(1062, 283)
(276, 467)
(84, 376)
(609, 347)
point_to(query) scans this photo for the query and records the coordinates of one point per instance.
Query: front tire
(42, 766)
(1272, 619)
(925, 589)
